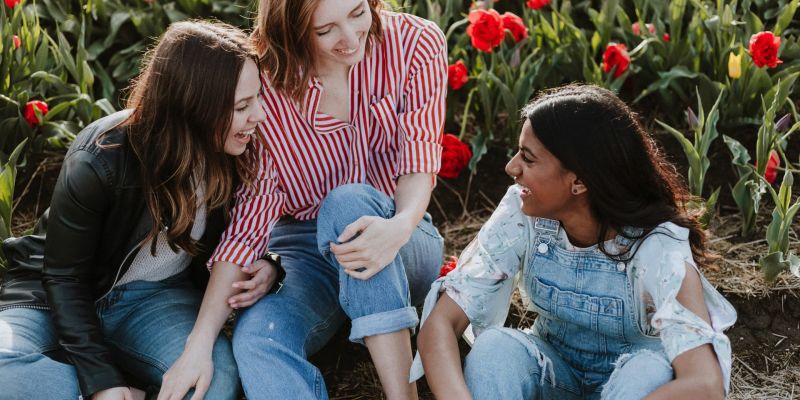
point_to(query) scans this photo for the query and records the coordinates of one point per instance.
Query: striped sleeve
(422, 120)
(258, 207)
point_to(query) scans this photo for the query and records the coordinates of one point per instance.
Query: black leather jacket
(97, 222)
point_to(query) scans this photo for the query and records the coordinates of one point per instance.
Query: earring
(574, 190)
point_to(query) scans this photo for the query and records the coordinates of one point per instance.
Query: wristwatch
(275, 259)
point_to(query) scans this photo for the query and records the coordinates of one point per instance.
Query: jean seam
(324, 323)
(151, 361)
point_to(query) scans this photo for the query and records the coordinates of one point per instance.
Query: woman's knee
(650, 369)
(346, 203)
(501, 362)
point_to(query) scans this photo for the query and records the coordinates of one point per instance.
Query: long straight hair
(630, 184)
(285, 46)
(182, 107)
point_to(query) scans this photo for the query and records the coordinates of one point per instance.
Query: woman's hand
(378, 242)
(119, 393)
(262, 277)
(193, 369)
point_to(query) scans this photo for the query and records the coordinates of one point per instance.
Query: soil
(766, 327)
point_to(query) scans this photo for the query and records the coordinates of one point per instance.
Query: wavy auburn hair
(182, 106)
(284, 42)
(630, 184)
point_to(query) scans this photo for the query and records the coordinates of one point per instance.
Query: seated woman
(137, 209)
(607, 256)
(355, 103)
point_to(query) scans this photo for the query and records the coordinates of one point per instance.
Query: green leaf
(785, 18)
(7, 180)
(665, 79)
(772, 264)
(479, 148)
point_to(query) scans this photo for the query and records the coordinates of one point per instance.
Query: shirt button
(620, 266)
(542, 248)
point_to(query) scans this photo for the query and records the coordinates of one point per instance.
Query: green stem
(465, 116)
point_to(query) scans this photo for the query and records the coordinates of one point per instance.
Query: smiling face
(340, 32)
(547, 186)
(247, 111)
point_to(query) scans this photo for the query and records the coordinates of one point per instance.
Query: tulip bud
(691, 118)
(734, 65)
(17, 42)
(783, 124)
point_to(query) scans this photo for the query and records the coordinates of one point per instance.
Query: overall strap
(546, 231)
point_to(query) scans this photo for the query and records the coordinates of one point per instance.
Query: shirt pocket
(596, 313)
(383, 125)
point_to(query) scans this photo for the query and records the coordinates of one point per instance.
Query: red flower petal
(30, 115)
(455, 156)
(457, 75)
(764, 48)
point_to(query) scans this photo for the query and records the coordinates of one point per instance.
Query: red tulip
(665, 37)
(537, 4)
(514, 23)
(17, 42)
(616, 55)
(12, 3)
(485, 29)
(457, 75)
(30, 114)
(448, 266)
(455, 156)
(772, 167)
(764, 49)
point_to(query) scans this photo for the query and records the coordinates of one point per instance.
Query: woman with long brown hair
(138, 207)
(596, 233)
(354, 97)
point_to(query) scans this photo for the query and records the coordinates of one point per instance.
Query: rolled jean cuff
(383, 322)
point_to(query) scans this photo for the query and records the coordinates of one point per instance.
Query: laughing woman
(597, 232)
(137, 208)
(355, 106)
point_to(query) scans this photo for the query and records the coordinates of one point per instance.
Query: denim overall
(587, 324)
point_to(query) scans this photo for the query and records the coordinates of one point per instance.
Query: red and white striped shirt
(397, 111)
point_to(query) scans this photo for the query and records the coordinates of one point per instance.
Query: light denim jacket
(489, 268)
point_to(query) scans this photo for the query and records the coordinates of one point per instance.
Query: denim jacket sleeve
(484, 278)
(660, 268)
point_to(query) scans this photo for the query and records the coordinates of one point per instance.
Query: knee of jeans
(650, 369)
(346, 203)
(497, 354)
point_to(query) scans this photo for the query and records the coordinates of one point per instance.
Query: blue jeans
(586, 342)
(145, 325)
(506, 363)
(274, 337)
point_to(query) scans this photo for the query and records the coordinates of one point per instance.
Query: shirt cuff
(233, 252)
(421, 157)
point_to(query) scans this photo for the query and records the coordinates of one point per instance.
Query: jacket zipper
(32, 306)
(135, 249)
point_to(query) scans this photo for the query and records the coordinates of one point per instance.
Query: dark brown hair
(630, 184)
(182, 106)
(283, 40)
